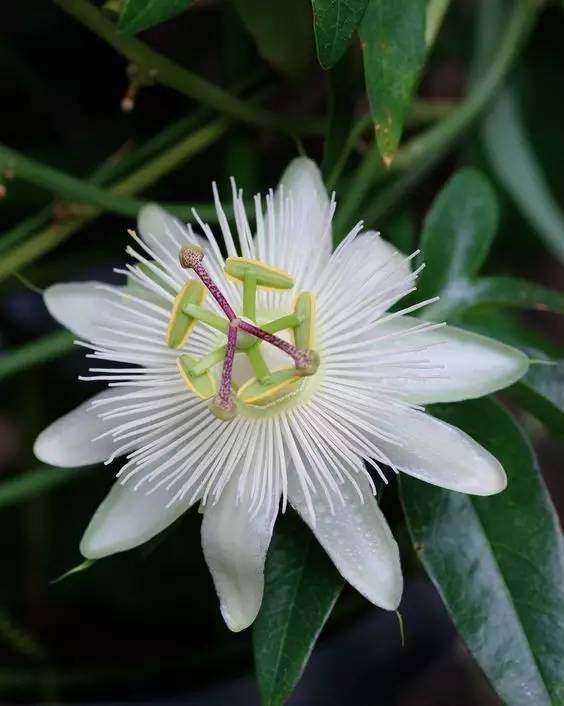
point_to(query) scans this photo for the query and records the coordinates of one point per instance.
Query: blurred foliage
(467, 103)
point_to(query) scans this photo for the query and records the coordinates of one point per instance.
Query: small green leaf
(138, 15)
(392, 34)
(457, 233)
(498, 562)
(282, 30)
(334, 22)
(301, 588)
(79, 568)
(516, 166)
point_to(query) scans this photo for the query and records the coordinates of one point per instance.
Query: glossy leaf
(138, 15)
(392, 34)
(457, 233)
(498, 562)
(301, 587)
(461, 295)
(282, 30)
(515, 164)
(334, 22)
(541, 392)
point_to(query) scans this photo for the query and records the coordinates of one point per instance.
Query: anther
(307, 362)
(226, 410)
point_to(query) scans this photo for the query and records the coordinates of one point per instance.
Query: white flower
(287, 423)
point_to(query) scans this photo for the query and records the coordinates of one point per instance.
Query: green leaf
(541, 392)
(517, 168)
(457, 233)
(282, 30)
(392, 34)
(334, 22)
(514, 292)
(301, 588)
(498, 562)
(342, 80)
(138, 15)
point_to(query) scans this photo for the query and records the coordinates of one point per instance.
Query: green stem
(46, 348)
(20, 488)
(87, 192)
(143, 177)
(171, 74)
(432, 144)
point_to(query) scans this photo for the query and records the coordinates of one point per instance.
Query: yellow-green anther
(304, 308)
(289, 321)
(267, 277)
(257, 362)
(181, 324)
(208, 361)
(217, 322)
(277, 386)
(250, 295)
(202, 385)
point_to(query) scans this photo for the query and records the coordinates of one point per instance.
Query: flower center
(265, 388)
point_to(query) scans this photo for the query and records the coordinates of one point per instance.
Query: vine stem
(144, 176)
(171, 74)
(433, 143)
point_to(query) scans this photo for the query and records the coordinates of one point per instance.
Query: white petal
(443, 455)
(68, 442)
(303, 182)
(358, 540)
(235, 544)
(81, 307)
(468, 365)
(127, 518)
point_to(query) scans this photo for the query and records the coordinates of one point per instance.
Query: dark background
(145, 626)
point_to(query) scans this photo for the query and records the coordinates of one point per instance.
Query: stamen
(289, 321)
(191, 259)
(249, 295)
(224, 406)
(208, 317)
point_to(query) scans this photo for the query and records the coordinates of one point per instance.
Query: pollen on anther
(191, 256)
